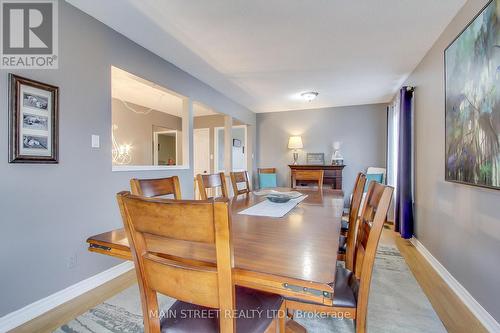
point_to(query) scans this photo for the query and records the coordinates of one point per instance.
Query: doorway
(239, 149)
(201, 143)
(165, 147)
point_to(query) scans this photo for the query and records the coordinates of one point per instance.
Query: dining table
(294, 255)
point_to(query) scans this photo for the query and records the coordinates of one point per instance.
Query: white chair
(376, 170)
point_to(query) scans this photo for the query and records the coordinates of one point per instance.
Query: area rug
(397, 304)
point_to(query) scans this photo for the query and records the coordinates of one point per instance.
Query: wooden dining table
(294, 255)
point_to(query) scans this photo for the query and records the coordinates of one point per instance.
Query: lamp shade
(295, 142)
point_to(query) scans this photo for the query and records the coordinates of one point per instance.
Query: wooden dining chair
(156, 187)
(212, 182)
(200, 287)
(351, 288)
(266, 170)
(346, 241)
(307, 175)
(240, 177)
(267, 177)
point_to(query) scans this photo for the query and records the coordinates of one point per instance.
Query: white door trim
(155, 145)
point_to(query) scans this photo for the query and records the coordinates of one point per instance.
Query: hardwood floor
(455, 316)
(64, 313)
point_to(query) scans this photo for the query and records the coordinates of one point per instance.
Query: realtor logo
(29, 36)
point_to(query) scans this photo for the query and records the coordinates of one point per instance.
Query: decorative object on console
(33, 121)
(472, 102)
(295, 142)
(337, 158)
(315, 158)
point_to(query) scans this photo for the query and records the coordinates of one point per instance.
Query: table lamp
(295, 142)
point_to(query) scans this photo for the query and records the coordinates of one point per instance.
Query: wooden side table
(332, 174)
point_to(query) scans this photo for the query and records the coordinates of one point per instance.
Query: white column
(249, 152)
(187, 131)
(228, 144)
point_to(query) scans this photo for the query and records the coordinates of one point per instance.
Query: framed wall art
(315, 158)
(33, 121)
(472, 102)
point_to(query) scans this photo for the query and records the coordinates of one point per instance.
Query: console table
(332, 174)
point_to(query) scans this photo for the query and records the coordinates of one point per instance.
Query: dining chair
(347, 240)
(307, 175)
(267, 177)
(199, 287)
(346, 216)
(240, 177)
(156, 187)
(351, 287)
(212, 182)
(382, 172)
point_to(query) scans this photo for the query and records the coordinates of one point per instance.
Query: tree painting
(472, 66)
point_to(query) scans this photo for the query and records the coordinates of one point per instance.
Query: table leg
(293, 327)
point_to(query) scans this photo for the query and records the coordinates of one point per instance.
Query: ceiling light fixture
(309, 96)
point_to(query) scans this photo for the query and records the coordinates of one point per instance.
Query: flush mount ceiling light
(309, 96)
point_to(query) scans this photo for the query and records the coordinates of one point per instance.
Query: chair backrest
(151, 223)
(357, 195)
(377, 170)
(156, 187)
(240, 177)
(213, 181)
(369, 229)
(307, 175)
(266, 170)
(267, 177)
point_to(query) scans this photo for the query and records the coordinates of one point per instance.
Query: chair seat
(345, 289)
(342, 244)
(246, 301)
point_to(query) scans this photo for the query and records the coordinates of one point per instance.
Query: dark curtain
(404, 182)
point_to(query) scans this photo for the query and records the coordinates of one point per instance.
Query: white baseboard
(481, 314)
(33, 310)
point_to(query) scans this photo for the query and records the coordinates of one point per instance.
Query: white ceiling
(202, 110)
(264, 53)
(130, 88)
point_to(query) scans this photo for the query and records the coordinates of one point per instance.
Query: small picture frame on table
(315, 158)
(33, 121)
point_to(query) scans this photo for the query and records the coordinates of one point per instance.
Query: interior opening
(147, 123)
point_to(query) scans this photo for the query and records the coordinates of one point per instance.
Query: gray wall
(48, 211)
(362, 130)
(137, 129)
(458, 224)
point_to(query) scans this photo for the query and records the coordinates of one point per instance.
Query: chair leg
(294, 327)
(272, 327)
(282, 317)
(359, 325)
